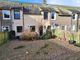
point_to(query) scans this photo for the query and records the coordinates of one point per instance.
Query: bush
(77, 37)
(28, 35)
(46, 35)
(77, 44)
(12, 34)
(3, 37)
(53, 34)
(58, 33)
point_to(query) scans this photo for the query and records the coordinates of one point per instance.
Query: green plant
(77, 37)
(77, 44)
(72, 37)
(3, 37)
(58, 33)
(46, 35)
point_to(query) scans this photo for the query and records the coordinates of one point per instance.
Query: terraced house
(38, 17)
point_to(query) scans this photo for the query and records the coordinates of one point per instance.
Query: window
(32, 28)
(53, 16)
(6, 14)
(19, 29)
(45, 15)
(16, 14)
(74, 17)
(64, 27)
(49, 27)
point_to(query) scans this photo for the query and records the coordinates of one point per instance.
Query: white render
(30, 20)
(17, 22)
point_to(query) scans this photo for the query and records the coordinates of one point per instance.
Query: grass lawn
(36, 50)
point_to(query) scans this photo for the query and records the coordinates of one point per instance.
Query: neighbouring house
(38, 17)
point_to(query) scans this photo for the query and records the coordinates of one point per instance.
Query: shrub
(3, 37)
(68, 35)
(78, 45)
(58, 33)
(53, 34)
(46, 35)
(28, 35)
(77, 37)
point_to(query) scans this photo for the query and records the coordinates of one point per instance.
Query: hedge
(3, 37)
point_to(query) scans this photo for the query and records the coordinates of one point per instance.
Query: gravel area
(39, 50)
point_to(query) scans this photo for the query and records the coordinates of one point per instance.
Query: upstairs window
(75, 16)
(16, 14)
(53, 16)
(6, 14)
(45, 15)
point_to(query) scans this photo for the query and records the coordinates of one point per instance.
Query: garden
(51, 45)
(72, 38)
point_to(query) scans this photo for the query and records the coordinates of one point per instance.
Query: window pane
(6, 13)
(73, 16)
(19, 28)
(16, 14)
(52, 16)
(63, 27)
(45, 15)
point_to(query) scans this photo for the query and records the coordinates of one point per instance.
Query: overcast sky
(59, 2)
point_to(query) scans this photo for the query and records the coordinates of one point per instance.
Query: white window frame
(54, 15)
(73, 27)
(4, 17)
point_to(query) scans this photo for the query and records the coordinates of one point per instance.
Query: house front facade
(38, 17)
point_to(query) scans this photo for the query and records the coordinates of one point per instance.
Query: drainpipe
(22, 16)
(77, 22)
(1, 19)
(71, 22)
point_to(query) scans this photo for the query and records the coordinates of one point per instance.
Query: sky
(58, 2)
